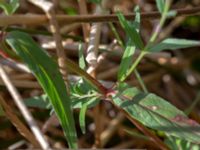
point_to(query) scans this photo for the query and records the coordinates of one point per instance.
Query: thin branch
(31, 19)
(27, 115)
(83, 11)
(15, 65)
(91, 58)
(111, 129)
(23, 130)
(48, 8)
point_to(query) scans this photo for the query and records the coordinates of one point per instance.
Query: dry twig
(23, 130)
(42, 19)
(27, 115)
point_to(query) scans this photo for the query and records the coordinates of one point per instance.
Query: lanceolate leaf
(173, 44)
(47, 73)
(82, 63)
(127, 57)
(126, 61)
(136, 23)
(131, 31)
(160, 5)
(156, 113)
(82, 117)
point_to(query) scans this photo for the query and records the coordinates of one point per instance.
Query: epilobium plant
(147, 108)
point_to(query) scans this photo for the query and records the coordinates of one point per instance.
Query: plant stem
(140, 80)
(161, 23)
(152, 39)
(75, 68)
(138, 77)
(137, 61)
(192, 106)
(116, 35)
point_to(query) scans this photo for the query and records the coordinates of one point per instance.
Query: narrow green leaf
(136, 23)
(131, 31)
(82, 63)
(156, 113)
(126, 61)
(82, 117)
(173, 44)
(160, 5)
(9, 8)
(127, 57)
(48, 75)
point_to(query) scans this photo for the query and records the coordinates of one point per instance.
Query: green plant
(147, 108)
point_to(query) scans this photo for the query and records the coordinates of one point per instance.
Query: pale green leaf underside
(156, 113)
(48, 75)
(174, 44)
(9, 8)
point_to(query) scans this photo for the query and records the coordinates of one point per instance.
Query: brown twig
(26, 114)
(48, 8)
(23, 84)
(83, 11)
(91, 58)
(111, 129)
(23, 130)
(42, 19)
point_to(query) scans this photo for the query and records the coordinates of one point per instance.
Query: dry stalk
(31, 19)
(112, 127)
(83, 11)
(23, 84)
(15, 65)
(26, 114)
(23, 130)
(48, 8)
(91, 58)
(69, 28)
